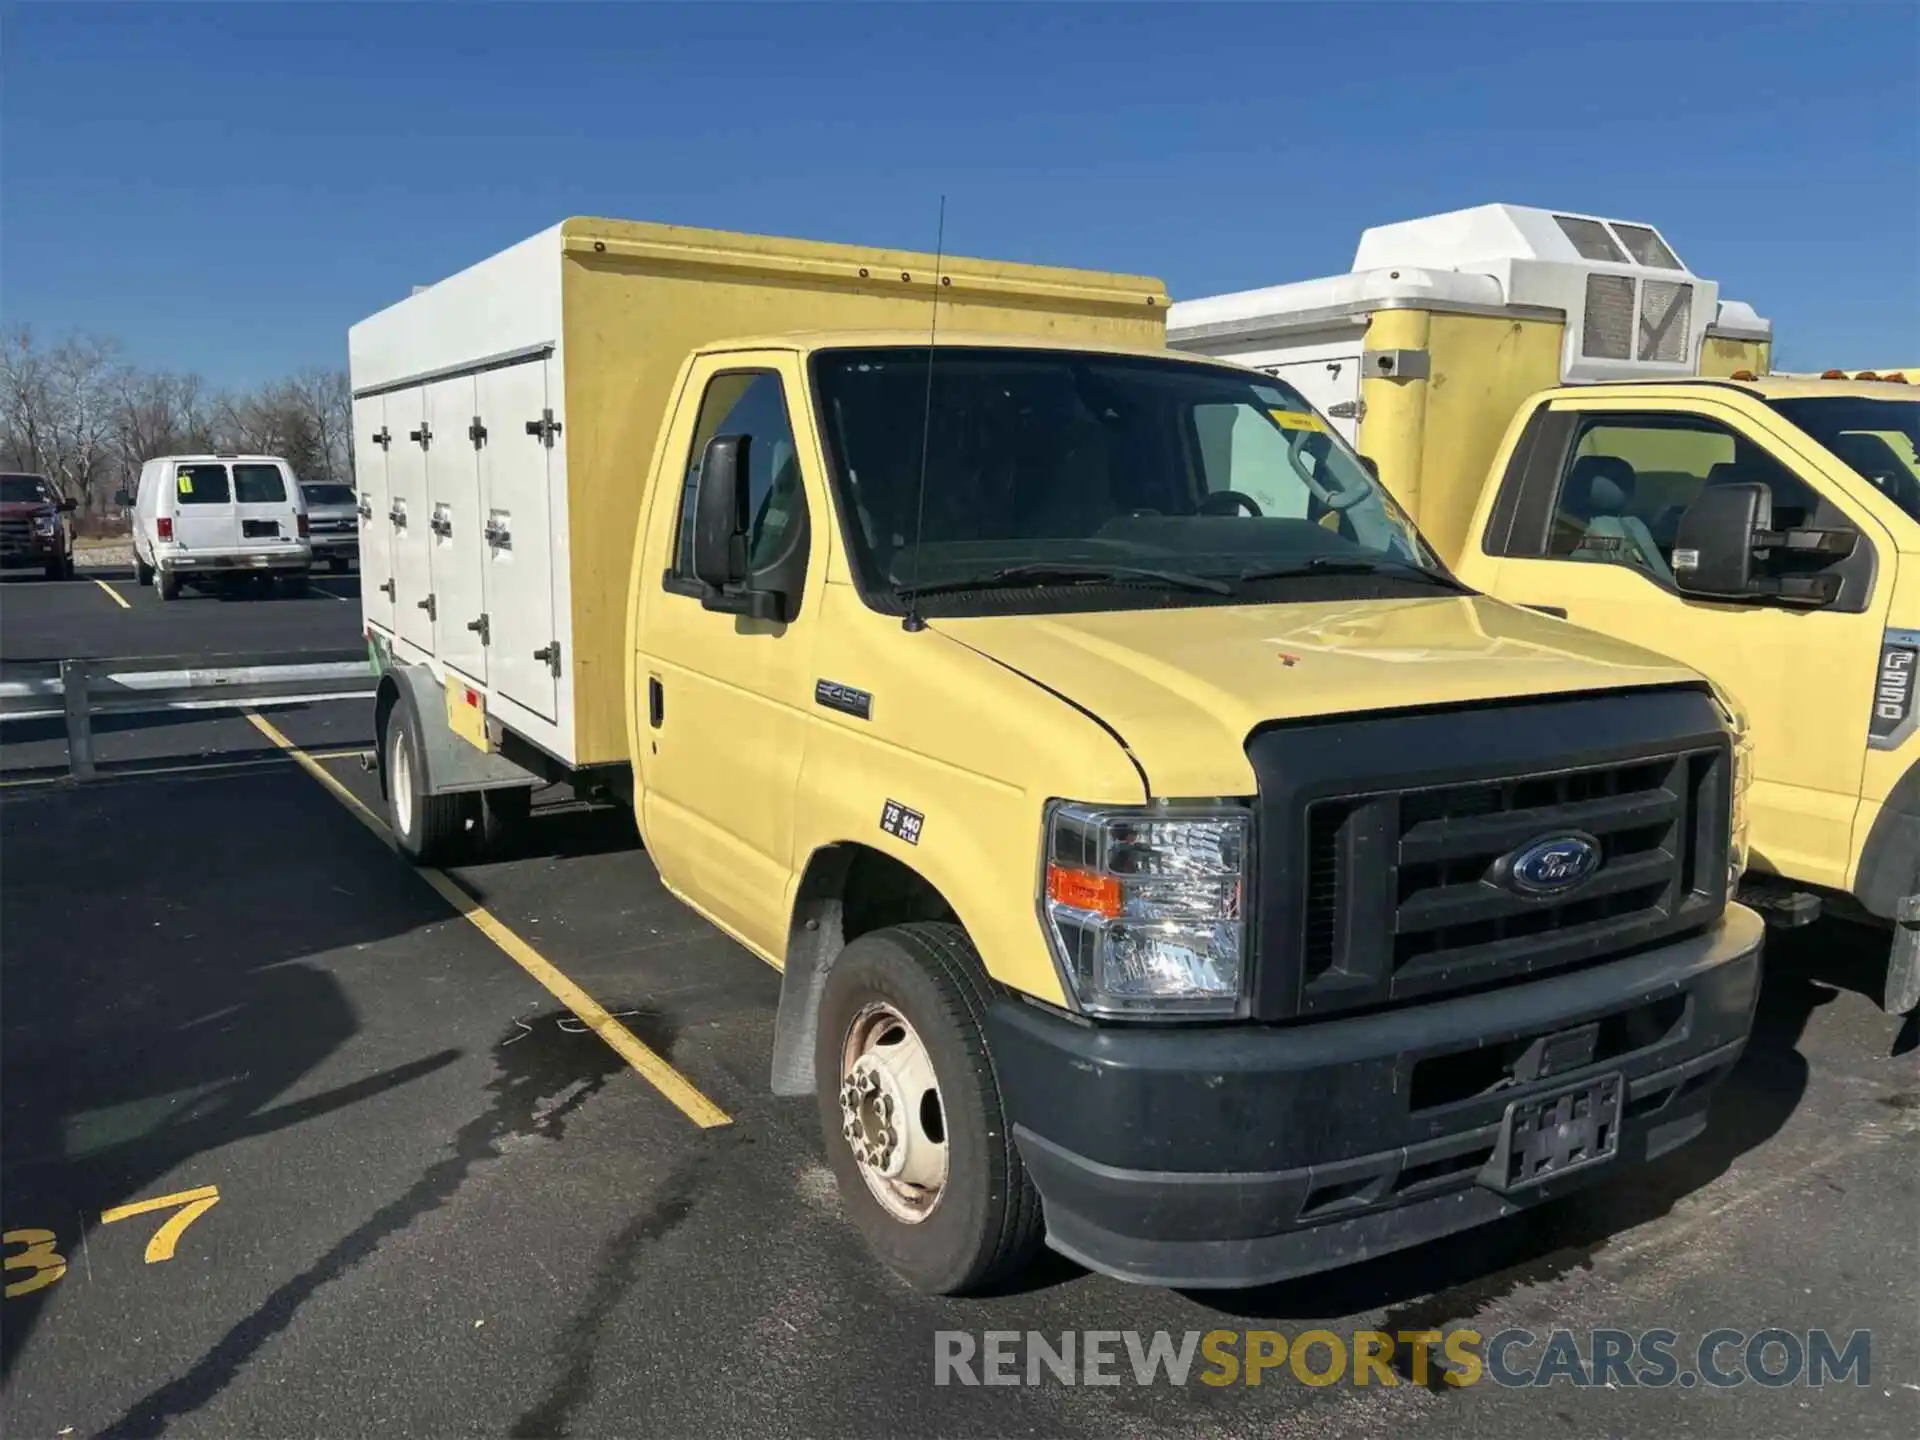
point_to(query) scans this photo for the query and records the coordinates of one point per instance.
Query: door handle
(1559, 612)
(656, 702)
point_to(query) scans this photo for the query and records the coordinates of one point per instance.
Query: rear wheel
(169, 585)
(503, 815)
(426, 827)
(142, 571)
(910, 1111)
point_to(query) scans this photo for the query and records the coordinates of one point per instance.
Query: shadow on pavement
(159, 988)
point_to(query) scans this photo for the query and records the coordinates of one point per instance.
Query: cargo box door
(370, 442)
(459, 613)
(516, 469)
(409, 510)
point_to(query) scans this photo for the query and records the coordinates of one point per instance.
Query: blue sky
(227, 188)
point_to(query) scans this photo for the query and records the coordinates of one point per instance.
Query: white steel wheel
(891, 1113)
(400, 778)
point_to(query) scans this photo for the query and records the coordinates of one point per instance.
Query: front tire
(910, 1111)
(426, 827)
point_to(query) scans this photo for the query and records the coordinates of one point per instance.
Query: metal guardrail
(82, 689)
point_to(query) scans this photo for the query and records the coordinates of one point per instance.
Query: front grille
(1386, 844)
(16, 535)
(1450, 921)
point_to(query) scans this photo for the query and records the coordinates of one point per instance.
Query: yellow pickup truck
(1590, 431)
(1163, 854)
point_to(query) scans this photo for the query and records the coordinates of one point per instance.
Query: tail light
(306, 527)
(165, 525)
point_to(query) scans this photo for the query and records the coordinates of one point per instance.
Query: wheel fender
(448, 764)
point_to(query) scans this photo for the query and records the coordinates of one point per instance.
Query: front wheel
(910, 1111)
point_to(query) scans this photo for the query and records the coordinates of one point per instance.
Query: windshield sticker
(1294, 420)
(901, 823)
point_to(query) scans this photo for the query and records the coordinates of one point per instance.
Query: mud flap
(1903, 962)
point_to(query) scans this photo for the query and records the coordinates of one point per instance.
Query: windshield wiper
(1041, 572)
(1354, 565)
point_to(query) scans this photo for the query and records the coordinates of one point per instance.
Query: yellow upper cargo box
(505, 420)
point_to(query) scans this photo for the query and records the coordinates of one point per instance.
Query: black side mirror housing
(1370, 465)
(720, 513)
(720, 518)
(123, 499)
(69, 505)
(1726, 545)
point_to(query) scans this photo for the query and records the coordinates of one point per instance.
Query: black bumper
(1241, 1155)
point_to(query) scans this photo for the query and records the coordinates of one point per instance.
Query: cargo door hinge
(1347, 410)
(386, 586)
(477, 433)
(382, 437)
(481, 628)
(423, 437)
(546, 427)
(428, 606)
(550, 653)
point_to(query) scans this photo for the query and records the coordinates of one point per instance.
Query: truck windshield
(1880, 439)
(1052, 468)
(24, 490)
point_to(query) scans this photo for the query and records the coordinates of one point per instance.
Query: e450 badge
(901, 823)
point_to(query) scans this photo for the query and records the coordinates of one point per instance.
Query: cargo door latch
(482, 629)
(550, 653)
(546, 427)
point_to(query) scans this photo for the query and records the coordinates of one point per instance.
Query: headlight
(1145, 906)
(45, 524)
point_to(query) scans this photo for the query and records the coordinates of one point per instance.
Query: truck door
(1585, 529)
(409, 510)
(725, 718)
(516, 462)
(454, 546)
(371, 439)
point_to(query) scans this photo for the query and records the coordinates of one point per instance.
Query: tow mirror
(1370, 465)
(123, 499)
(69, 505)
(720, 513)
(1727, 549)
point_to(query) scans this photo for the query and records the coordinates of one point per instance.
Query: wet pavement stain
(544, 1073)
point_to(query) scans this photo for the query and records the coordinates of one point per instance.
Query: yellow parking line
(651, 1067)
(118, 598)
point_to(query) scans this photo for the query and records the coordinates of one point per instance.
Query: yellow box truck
(1569, 410)
(1164, 855)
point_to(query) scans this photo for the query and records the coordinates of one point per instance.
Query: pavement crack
(578, 1345)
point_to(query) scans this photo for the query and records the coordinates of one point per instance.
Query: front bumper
(333, 547)
(1241, 1155)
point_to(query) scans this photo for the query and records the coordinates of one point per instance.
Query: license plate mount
(1546, 1136)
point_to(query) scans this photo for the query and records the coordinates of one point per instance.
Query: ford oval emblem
(1555, 863)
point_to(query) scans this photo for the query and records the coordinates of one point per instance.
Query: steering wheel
(1225, 502)
(1335, 500)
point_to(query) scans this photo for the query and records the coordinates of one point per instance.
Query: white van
(203, 517)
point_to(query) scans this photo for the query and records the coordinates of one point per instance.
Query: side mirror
(69, 505)
(1370, 465)
(123, 499)
(1725, 546)
(720, 513)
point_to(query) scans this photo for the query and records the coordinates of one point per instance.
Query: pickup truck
(1585, 429)
(1164, 856)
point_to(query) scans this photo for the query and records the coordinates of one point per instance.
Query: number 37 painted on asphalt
(44, 1264)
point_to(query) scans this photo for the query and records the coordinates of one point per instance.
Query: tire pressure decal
(1893, 716)
(900, 822)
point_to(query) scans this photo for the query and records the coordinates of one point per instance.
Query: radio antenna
(913, 620)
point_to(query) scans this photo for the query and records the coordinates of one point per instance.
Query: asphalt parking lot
(421, 1197)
